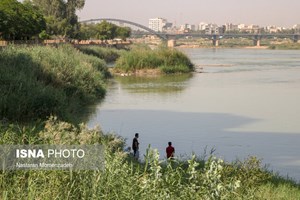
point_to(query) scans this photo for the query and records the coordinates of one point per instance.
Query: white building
(191, 27)
(248, 28)
(212, 29)
(296, 27)
(231, 27)
(157, 24)
(202, 26)
(271, 29)
(187, 27)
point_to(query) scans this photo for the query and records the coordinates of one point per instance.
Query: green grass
(285, 46)
(164, 59)
(124, 178)
(38, 81)
(107, 54)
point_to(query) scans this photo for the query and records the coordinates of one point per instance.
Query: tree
(103, 31)
(106, 30)
(20, 21)
(61, 16)
(3, 22)
(123, 32)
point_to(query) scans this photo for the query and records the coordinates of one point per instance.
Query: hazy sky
(261, 12)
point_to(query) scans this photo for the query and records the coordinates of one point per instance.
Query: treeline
(104, 31)
(46, 19)
(20, 21)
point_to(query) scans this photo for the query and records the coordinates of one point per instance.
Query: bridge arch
(127, 22)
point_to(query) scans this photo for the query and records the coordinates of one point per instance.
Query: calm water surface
(245, 103)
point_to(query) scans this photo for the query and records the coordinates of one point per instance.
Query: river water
(245, 103)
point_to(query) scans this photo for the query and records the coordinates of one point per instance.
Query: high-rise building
(296, 26)
(157, 24)
(231, 27)
(212, 29)
(202, 26)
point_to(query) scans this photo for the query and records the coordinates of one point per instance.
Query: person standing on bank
(135, 146)
(170, 150)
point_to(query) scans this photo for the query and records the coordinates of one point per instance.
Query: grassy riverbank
(270, 43)
(107, 54)
(285, 46)
(205, 177)
(160, 60)
(38, 81)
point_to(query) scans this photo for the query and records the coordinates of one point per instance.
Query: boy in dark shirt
(135, 145)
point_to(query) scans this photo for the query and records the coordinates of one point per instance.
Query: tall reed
(125, 178)
(164, 59)
(107, 54)
(38, 81)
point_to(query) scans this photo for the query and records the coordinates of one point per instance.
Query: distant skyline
(277, 12)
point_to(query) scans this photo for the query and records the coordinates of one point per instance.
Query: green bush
(38, 81)
(285, 46)
(125, 178)
(164, 59)
(107, 54)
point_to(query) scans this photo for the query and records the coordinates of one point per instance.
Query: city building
(248, 28)
(296, 27)
(273, 29)
(187, 28)
(212, 29)
(229, 27)
(157, 24)
(202, 26)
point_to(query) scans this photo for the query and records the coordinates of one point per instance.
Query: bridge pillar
(171, 43)
(257, 40)
(215, 41)
(295, 38)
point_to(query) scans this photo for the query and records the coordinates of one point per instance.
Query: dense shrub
(38, 81)
(107, 54)
(164, 59)
(125, 178)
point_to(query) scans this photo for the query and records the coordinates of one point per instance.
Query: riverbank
(72, 75)
(39, 81)
(202, 177)
(211, 176)
(237, 47)
(271, 43)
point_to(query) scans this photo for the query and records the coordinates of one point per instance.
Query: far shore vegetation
(267, 43)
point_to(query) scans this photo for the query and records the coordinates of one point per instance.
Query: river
(245, 103)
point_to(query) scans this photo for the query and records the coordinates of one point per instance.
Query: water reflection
(154, 84)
